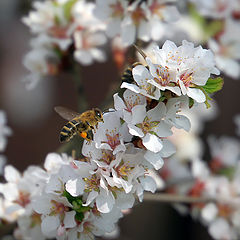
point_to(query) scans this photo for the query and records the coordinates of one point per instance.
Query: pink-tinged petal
(75, 187)
(155, 159)
(49, 225)
(105, 202)
(135, 131)
(148, 184)
(11, 174)
(163, 129)
(138, 114)
(91, 196)
(69, 219)
(118, 102)
(196, 94)
(152, 143)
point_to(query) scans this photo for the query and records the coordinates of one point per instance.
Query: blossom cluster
(83, 197)
(221, 34)
(80, 29)
(60, 28)
(216, 182)
(144, 20)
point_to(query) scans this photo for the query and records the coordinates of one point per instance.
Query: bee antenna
(140, 51)
(109, 110)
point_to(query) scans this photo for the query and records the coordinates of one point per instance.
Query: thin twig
(82, 99)
(174, 198)
(140, 51)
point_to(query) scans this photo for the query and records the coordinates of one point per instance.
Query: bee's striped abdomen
(68, 131)
(127, 75)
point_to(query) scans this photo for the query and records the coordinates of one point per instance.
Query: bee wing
(66, 113)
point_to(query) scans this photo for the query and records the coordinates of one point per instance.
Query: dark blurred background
(36, 126)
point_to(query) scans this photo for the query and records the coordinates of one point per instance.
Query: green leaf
(67, 8)
(79, 216)
(206, 95)
(212, 28)
(191, 102)
(122, 121)
(69, 197)
(227, 172)
(213, 85)
(162, 98)
(196, 16)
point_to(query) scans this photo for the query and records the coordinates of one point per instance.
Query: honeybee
(127, 74)
(83, 123)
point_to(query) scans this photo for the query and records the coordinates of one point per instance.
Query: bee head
(98, 114)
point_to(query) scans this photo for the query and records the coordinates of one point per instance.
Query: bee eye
(98, 113)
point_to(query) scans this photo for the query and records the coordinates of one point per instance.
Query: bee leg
(89, 137)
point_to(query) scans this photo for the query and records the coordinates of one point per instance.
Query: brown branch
(175, 198)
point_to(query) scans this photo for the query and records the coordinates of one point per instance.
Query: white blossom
(150, 126)
(111, 134)
(227, 49)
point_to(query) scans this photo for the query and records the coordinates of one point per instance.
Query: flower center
(224, 210)
(147, 126)
(58, 208)
(113, 140)
(124, 169)
(36, 219)
(107, 157)
(221, 5)
(186, 78)
(92, 184)
(163, 76)
(155, 9)
(58, 32)
(137, 16)
(130, 103)
(23, 199)
(117, 10)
